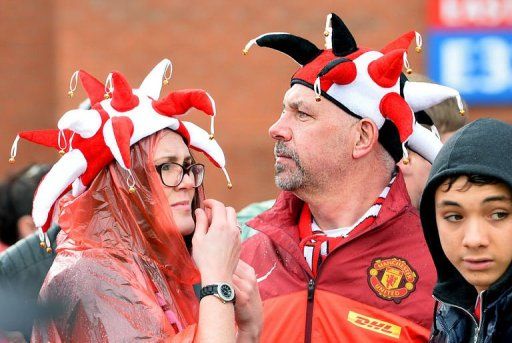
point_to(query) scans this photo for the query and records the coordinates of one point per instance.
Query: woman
(123, 270)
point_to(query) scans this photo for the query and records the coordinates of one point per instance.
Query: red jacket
(376, 286)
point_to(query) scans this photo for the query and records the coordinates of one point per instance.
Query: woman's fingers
(218, 213)
(243, 270)
(201, 223)
(231, 218)
(242, 289)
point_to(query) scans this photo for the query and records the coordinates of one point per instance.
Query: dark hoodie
(483, 147)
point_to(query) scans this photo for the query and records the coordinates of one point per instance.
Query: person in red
(124, 270)
(341, 256)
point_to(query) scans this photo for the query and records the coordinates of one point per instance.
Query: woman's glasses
(172, 173)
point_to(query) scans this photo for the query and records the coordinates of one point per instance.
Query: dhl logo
(375, 325)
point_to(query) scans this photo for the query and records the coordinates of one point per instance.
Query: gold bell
(326, 33)
(406, 161)
(230, 185)
(49, 250)
(418, 49)
(61, 152)
(42, 245)
(132, 190)
(318, 98)
(106, 96)
(244, 52)
(71, 93)
(11, 160)
(462, 112)
(211, 136)
(165, 82)
(409, 71)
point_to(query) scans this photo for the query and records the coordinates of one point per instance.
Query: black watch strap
(208, 290)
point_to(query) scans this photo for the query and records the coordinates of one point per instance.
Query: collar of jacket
(457, 291)
(280, 223)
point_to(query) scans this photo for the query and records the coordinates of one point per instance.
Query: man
(16, 195)
(466, 214)
(446, 120)
(444, 115)
(340, 256)
(415, 170)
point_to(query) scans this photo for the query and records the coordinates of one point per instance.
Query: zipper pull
(311, 289)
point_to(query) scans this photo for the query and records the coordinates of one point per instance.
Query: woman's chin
(186, 226)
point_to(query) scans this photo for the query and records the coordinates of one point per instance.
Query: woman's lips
(475, 264)
(182, 205)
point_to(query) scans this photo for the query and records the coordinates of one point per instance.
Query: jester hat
(366, 84)
(119, 116)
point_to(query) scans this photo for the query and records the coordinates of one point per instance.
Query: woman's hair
(16, 196)
(136, 225)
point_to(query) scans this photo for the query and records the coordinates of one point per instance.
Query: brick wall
(48, 40)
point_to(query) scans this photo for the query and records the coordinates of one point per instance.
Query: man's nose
(280, 130)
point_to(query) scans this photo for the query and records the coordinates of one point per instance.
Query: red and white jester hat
(366, 84)
(120, 116)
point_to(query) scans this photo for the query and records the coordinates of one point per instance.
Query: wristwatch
(223, 291)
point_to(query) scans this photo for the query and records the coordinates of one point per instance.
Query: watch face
(226, 292)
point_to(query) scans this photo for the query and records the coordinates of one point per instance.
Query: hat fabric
(119, 117)
(366, 83)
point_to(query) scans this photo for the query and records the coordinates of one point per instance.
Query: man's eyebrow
(295, 104)
(497, 198)
(447, 203)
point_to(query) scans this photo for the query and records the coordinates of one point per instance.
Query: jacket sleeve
(23, 268)
(102, 299)
(248, 213)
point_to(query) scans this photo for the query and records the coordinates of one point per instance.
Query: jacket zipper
(477, 325)
(312, 286)
(309, 310)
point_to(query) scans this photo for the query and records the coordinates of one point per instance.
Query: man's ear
(406, 168)
(26, 226)
(367, 135)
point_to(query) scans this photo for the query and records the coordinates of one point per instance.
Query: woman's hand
(216, 243)
(248, 306)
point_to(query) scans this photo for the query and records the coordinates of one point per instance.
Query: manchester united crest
(392, 278)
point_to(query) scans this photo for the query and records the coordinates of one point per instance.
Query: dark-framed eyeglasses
(172, 173)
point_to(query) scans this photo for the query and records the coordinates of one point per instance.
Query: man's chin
(285, 183)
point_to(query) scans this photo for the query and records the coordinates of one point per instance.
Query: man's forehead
(298, 95)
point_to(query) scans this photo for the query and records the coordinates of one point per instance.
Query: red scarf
(316, 244)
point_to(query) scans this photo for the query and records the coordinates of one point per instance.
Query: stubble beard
(287, 178)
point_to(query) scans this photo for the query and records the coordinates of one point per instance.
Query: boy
(466, 212)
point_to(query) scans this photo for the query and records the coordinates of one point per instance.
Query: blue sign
(476, 63)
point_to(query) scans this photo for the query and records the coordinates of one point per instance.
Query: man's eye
(452, 217)
(499, 215)
(302, 115)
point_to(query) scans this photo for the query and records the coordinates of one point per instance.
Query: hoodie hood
(482, 147)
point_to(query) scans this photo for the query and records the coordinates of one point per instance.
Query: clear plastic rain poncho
(122, 271)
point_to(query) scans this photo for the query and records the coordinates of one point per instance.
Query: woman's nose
(187, 182)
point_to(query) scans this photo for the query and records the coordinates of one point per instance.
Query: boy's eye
(499, 215)
(453, 217)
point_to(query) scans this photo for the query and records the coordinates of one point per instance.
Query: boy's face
(475, 229)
